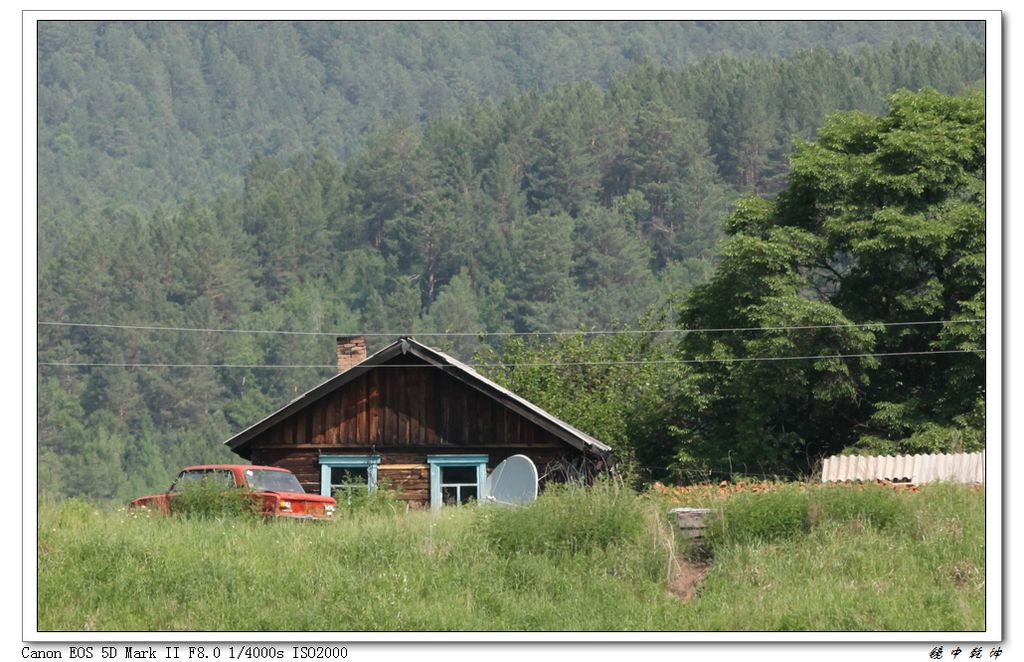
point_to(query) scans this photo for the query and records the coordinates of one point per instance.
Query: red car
(277, 490)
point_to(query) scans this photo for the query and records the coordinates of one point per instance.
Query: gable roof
(452, 366)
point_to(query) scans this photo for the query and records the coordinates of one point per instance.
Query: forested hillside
(572, 205)
(134, 114)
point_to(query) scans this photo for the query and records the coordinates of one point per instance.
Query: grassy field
(791, 558)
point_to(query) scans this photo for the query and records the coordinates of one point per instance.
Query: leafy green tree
(606, 385)
(911, 213)
(883, 222)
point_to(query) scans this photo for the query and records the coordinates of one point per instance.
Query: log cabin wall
(404, 414)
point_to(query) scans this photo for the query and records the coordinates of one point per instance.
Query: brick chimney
(351, 350)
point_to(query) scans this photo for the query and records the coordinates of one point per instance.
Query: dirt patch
(687, 576)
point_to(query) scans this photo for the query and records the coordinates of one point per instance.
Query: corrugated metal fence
(958, 467)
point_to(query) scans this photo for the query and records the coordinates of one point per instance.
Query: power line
(193, 365)
(136, 327)
(567, 364)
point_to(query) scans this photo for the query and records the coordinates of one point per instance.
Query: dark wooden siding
(414, 407)
(403, 415)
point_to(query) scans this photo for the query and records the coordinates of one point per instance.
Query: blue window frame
(335, 469)
(456, 479)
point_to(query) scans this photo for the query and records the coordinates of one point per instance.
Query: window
(458, 485)
(263, 480)
(456, 479)
(188, 479)
(349, 480)
(347, 473)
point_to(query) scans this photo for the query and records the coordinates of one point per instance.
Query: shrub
(873, 505)
(209, 499)
(751, 516)
(383, 500)
(567, 520)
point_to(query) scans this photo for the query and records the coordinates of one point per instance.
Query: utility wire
(133, 327)
(199, 365)
(518, 365)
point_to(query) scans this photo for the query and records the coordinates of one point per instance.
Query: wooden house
(417, 420)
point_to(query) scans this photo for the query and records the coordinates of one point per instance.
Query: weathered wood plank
(465, 417)
(315, 415)
(413, 400)
(374, 432)
(333, 421)
(409, 399)
(445, 424)
(305, 432)
(429, 407)
(402, 427)
(424, 386)
(390, 408)
(323, 418)
(360, 428)
(347, 415)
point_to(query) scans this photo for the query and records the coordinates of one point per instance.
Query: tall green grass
(576, 560)
(570, 520)
(794, 510)
(861, 560)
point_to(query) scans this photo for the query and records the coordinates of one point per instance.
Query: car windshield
(194, 477)
(262, 480)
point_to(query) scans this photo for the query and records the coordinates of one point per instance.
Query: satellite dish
(513, 482)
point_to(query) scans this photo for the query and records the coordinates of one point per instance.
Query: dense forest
(137, 114)
(394, 178)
